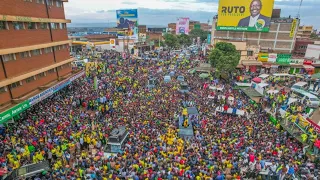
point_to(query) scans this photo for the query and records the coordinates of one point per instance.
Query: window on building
(18, 25)
(30, 79)
(63, 26)
(54, 25)
(32, 25)
(3, 25)
(48, 50)
(36, 52)
(43, 25)
(27, 0)
(59, 4)
(8, 57)
(3, 89)
(249, 53)
(56, 48)
(16, 84)
(50, 2)
(40, 1)
(52, 71)
(25, 54)
(41, 75)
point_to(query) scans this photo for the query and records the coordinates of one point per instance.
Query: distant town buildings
(305, 32)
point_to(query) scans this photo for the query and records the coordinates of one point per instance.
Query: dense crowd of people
(71, 129)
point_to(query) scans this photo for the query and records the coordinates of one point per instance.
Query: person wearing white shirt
(251, 21)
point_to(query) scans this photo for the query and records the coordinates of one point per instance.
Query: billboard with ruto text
(245, 15)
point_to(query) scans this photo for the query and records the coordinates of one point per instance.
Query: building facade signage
(31, 19)
(287, 20)
(10, 113)
(48, 92)
(293, 27)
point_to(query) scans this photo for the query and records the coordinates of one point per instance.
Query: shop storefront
(14, 112)
(296, 69)
(283, 61)
(308, 68)
(265, 67)
(316, 68)
(252, 65)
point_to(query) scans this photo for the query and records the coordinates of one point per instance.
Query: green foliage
(314, 36)
(184, 39)
(171, 40)
(224, 58)
(199, 33)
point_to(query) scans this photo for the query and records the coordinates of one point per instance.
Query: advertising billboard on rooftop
(128, 20)
(245, 15)
(182, 26)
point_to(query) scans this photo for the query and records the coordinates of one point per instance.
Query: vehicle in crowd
(79, 63)
(167, 79)
(152, 82)
(300, 85)
(180, 78)
(307, 98)
(282, 76)
(184, 88)
(264, 77)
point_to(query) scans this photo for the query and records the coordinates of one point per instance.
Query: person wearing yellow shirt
(39, 156)
(16, 164)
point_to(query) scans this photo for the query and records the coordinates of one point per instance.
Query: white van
(264, 77)
(282, 76)
(312, 100)
(300, 85)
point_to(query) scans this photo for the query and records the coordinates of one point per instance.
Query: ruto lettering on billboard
(245, 15)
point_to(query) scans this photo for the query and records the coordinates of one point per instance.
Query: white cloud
(87, 11)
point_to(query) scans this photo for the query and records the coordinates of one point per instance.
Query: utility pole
(299, 9)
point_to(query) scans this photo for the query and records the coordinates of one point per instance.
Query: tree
(194, 33)
(184, 39)
(314, 36)
(224, 58)
(171, 40)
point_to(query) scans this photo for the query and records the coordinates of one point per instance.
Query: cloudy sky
(161, 12)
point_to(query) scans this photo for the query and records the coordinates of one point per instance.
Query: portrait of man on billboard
(123, 23)
(256, 19)
(182, 30)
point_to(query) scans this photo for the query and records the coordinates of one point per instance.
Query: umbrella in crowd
(257, 80)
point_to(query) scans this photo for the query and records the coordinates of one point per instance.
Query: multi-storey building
(279, 40)
(192, 25)
(304, 32)
(34, 48)
(301, 46)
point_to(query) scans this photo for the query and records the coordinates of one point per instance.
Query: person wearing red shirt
(225, 108)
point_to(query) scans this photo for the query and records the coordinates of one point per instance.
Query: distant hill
(102, 25)
(88, 25)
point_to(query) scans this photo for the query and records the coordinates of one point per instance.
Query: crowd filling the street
(232, 135)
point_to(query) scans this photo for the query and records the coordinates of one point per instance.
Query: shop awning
(283, 63)
(240, 66)
(307, 62)
(251, 63)
(308, 67)
(296, 65)
(316, 65)
(266, 65)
